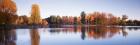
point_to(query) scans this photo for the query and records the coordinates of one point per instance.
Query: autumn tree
(65, 19)
(90, 19)
(22, 20)
(75, 20)
(35, 14)
(7, 12)
(79, 20)
(112, 20)
(100, 18)
(70, 20)
(44, 22)
(8, 6)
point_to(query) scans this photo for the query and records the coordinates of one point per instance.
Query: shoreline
(58, 26)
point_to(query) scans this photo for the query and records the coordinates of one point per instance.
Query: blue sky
(74, 7)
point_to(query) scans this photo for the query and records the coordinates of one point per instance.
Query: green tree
(129, 22)
(58, 19)
(52, 19)
(123, 20)
(83, 15)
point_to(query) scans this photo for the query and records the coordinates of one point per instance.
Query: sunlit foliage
(35, 14)
(7, 12)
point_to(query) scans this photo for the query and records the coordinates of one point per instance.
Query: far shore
(57, 26)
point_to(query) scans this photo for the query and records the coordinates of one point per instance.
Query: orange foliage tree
(7, 12)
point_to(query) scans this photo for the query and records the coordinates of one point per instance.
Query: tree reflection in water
(35, 37)
(7, 37)
(83, 33)
(92, 32)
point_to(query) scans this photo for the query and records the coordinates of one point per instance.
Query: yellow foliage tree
(35, 14)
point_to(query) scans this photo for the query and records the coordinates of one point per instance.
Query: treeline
(8, 16)
(133, 23)
(95, 18)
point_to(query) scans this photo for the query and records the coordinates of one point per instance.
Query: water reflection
(35, 37)
(7, 37)
(131, 28)
(83, 33)
(92, 32)
(71, 34)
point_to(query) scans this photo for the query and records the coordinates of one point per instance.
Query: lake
(71, 35)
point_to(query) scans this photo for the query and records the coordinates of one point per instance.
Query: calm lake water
(71, 35)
